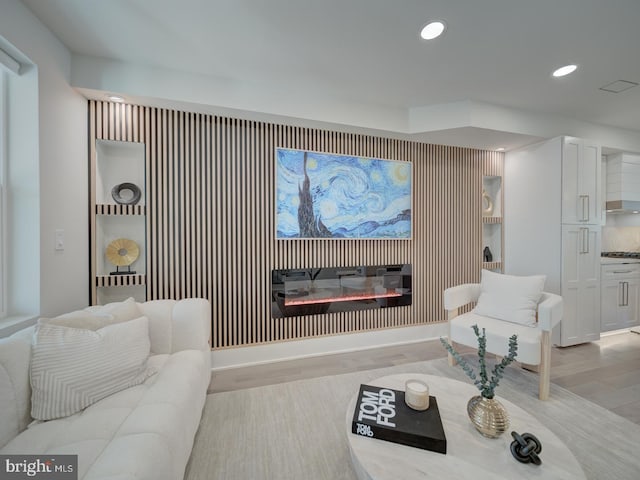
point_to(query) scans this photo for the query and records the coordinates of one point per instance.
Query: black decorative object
(135, 198)
(488, 256)
(383, 414)
(525, 448)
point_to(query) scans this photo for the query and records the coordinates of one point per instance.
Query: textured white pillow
(509, 297)
(73, 368)
(121, 311)
(99, 316)
(80, 319)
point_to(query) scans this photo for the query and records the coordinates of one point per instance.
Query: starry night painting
(322, 195)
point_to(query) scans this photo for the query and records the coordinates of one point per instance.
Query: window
(3, 212)
(8, 66)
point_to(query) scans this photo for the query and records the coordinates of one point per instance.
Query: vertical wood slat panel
(211, 219)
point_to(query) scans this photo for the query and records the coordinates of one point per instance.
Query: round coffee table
(469, 454)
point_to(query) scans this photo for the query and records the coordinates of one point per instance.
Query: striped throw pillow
(72, 368)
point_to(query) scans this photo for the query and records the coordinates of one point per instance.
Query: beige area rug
(296, 430)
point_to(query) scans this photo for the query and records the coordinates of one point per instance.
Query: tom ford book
(381, 413)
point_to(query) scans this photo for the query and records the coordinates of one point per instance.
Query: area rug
(296, 430)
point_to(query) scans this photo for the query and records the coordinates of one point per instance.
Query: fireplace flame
(341, 298)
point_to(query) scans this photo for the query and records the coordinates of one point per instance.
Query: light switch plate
(59, 240)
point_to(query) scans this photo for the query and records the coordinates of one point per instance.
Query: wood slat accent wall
(211, 229)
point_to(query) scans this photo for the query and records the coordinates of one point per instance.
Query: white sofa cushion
(14, 387)
(72, 368)
(173, 328)
(510, 298)
(498, 333)
(145, 432)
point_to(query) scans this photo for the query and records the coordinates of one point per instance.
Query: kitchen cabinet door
(580, 284)
(619, 304)
(630, 296)
(581, 182)
(610, 299)
(620, 297)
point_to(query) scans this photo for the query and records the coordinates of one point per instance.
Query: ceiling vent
(619, 86)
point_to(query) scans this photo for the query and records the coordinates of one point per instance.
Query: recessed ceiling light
(432, 30)
(500, 149)
(566, 70)
(115, 98)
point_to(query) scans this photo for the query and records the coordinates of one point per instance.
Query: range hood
(623, 183)
(622, 206)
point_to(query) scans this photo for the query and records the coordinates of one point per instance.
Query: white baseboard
(314, 347)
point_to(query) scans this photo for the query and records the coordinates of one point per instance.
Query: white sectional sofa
(144, 431)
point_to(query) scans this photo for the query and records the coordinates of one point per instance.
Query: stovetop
(635, 255)
(616, 258)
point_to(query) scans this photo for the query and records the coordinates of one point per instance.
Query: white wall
(62, 149)
(532, 212)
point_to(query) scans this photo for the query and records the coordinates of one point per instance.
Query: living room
(215, 235)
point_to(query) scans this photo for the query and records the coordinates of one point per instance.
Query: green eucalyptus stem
(482, 350)
(485, 384)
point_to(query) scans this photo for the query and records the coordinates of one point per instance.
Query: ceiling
(366, 56)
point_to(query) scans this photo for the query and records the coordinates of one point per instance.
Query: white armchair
(534, 342)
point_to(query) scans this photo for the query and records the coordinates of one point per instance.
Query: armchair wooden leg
(545, 366)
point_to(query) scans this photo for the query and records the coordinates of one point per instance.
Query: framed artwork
(329, 196)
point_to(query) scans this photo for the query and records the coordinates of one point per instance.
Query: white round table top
(469, 454)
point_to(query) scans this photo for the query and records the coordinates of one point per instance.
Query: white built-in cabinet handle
(624, 294)
(585, 207)
(584, 248)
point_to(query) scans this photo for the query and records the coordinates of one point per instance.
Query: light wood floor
(606, 372)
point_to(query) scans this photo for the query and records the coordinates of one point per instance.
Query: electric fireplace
(312, 291)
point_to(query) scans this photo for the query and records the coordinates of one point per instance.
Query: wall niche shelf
(108, 209)
(492, 233)
(113, 163)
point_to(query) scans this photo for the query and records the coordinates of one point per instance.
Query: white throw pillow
(98, 316)
(509, 297)
(72, 368)
(80, 319)
(121, 311)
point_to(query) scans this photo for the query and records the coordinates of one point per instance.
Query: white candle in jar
(416, 394)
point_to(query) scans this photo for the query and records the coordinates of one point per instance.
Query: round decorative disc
(134, 197)
(122, 252)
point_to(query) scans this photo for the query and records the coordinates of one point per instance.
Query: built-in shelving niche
(114, 163)
(492, 235)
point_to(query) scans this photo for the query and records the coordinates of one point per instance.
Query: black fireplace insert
(312, 291)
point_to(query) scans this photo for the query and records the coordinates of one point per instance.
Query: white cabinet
(620, 295)
(553, 190)
(580, 284)
(581, 182)
(119, 225)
